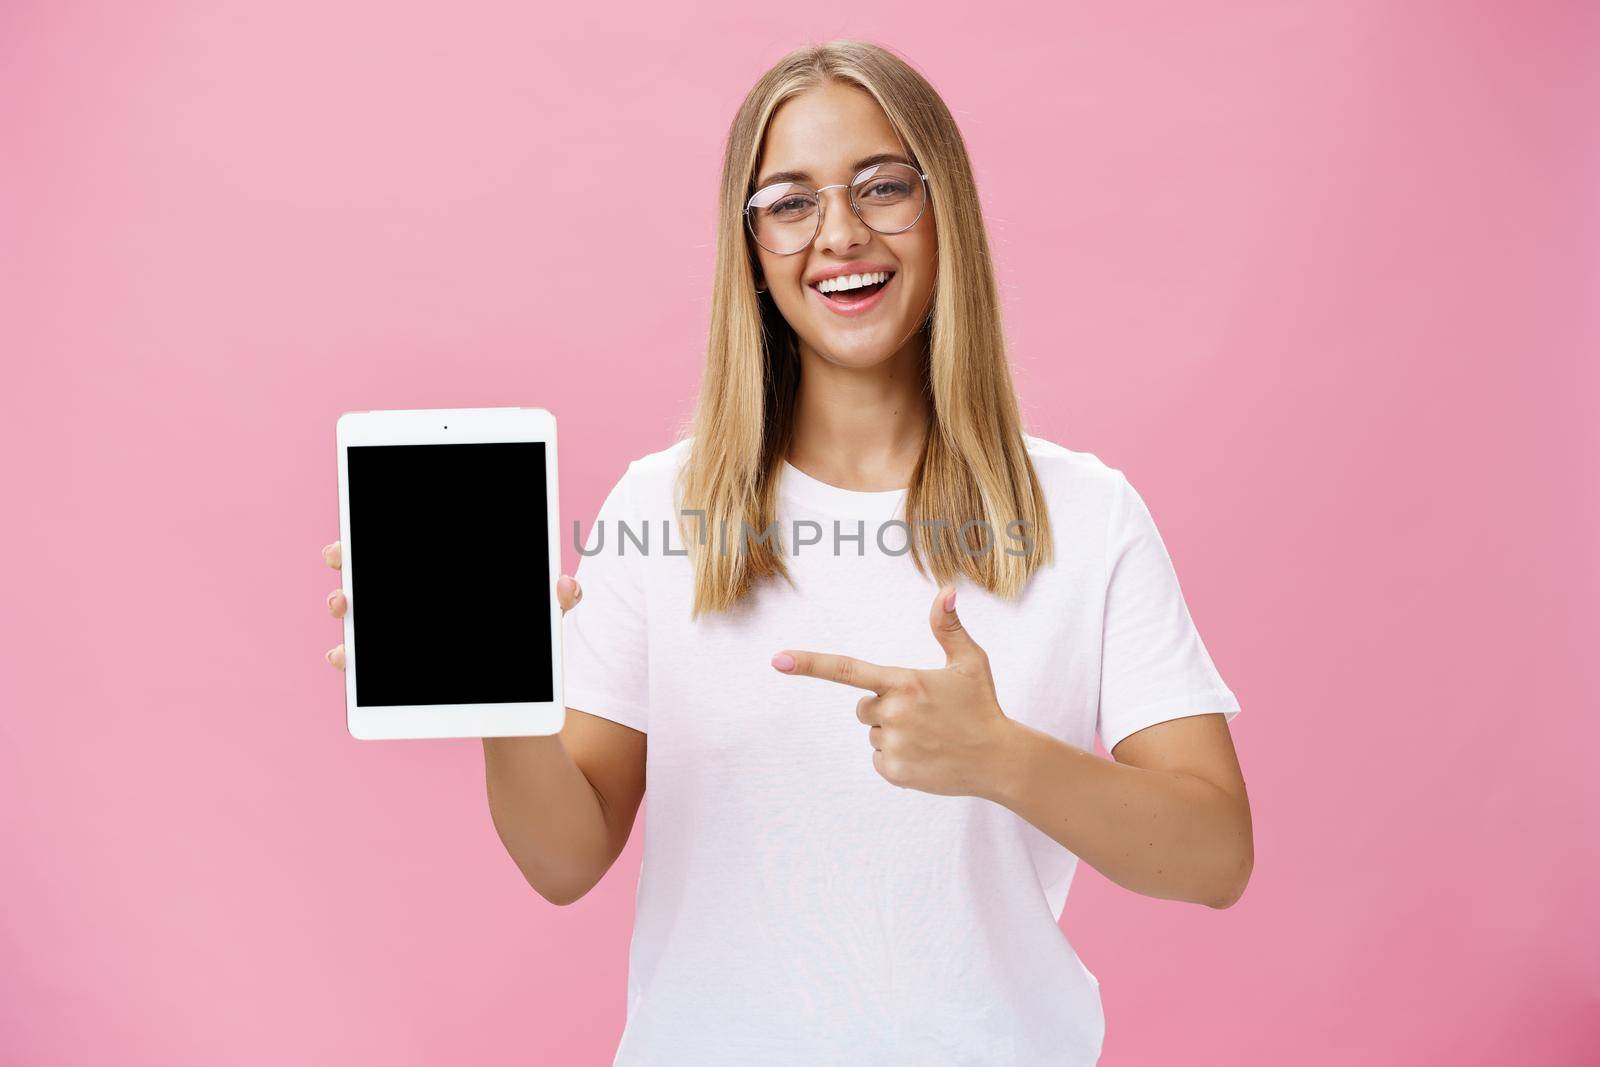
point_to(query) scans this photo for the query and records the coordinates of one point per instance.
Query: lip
(849, 308)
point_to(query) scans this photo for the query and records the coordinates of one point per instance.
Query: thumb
(959, 647)
(568, 593)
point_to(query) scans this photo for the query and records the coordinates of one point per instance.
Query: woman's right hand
(567, 593)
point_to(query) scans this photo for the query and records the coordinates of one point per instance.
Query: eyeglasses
(786, 217)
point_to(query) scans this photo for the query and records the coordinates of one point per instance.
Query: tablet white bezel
(465, 426)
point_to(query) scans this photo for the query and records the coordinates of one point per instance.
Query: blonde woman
(871, 629)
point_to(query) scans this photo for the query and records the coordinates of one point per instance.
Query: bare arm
(1170, 818)
(563, 804)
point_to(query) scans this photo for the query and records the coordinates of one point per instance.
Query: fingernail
(330, 599)
(328, 655)
(783, 661)
(950, 601)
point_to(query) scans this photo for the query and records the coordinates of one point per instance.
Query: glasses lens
(783, 217)
(889, 197)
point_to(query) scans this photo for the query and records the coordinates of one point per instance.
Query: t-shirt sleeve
(1154, 667)
(604, 654)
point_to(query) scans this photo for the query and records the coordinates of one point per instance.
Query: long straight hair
(974, 465)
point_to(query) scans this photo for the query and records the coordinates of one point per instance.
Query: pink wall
(1321, 277)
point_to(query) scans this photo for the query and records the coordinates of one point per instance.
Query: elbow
(557, 885)
(1231, 886)
(561, 900)
(1236, 859)
(562, 895)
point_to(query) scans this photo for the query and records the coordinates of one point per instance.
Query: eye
(792, 206)
(884, 189)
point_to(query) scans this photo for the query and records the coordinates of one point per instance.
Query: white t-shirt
(793, 907)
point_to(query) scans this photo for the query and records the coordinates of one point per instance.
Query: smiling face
(826, 133)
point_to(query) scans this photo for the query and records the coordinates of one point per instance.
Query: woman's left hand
(938, 731)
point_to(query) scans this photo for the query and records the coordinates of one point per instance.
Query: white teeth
(851, 281)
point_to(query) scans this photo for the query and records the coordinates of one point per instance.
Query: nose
(840, 229)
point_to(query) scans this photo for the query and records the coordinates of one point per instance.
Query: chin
(859, 347)
(856, 353)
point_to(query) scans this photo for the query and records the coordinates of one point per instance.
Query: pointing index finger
(846, 670)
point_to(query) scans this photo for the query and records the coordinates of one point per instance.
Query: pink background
(1321, 277)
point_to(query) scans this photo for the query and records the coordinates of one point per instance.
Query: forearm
(1160, 833)
(547, 814)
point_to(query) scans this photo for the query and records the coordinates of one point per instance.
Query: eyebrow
(856, 168)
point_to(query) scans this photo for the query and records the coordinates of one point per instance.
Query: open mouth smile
(853, 294)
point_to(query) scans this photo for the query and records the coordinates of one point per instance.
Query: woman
(783, 604)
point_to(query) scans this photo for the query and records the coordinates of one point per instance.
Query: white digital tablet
(451, 554)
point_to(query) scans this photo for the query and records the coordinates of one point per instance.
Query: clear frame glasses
(786, 217)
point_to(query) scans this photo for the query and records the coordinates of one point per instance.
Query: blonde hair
(974, 464)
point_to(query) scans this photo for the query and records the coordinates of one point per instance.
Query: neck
(861, 428)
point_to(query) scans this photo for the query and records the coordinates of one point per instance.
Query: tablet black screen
(450, 573)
